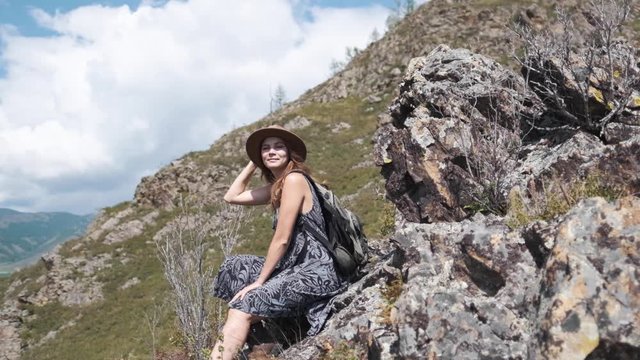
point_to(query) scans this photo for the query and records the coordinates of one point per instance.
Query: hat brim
(254, 142)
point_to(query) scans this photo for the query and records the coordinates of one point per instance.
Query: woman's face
(275, 154)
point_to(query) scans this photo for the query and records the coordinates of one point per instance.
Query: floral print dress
(303, 282)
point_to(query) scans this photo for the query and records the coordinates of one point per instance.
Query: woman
(298, 275)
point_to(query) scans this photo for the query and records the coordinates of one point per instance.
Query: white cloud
(117, 93)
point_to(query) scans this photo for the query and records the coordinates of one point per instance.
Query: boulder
(455, 133)
(590, 284)
(470, 291)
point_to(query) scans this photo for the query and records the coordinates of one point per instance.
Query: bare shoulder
(295, 180)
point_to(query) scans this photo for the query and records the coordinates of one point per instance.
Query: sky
(94, 95)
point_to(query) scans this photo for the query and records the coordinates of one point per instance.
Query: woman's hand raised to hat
(237, 194)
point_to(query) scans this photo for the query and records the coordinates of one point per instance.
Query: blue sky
(94, 96)
(17, 12)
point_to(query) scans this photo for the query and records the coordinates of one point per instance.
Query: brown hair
(295, 163)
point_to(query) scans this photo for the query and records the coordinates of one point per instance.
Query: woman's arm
(237, 194)
(291, 202)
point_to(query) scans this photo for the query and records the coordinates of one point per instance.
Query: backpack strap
(322, 238)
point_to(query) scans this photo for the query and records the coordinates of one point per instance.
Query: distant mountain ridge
(26, 236)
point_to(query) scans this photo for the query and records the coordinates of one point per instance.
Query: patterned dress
(303, 282)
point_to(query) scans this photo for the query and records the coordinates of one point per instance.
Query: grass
(113, 328)
(390, 292)
(551, 203)
(4, 284)
(343, 350)
(28, 276)
(112, 210)
(635, 24)
(116, 327)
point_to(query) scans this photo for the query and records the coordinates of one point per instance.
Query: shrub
(586, 79)
(182, 249)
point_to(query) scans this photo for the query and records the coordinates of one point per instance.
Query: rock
(615, 132)
(103, 224)
(469, 291)
(395, 72)
(129, 283)
(358, 320)
(131, 228)
(163, 190)
(363, 164)
(451, 151)
(455, 131)
(340, 126)
(373, 99)
(11, 317)
(13, 286)
(69, 280)
(10, 342)
(124, 232)
(297, 122)
(476, 288)
(544, 168)
(590, 290)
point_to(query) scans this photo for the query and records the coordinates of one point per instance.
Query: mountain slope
(25, 236)
(112, 275)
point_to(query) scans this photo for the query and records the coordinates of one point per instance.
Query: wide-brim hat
(254, 142)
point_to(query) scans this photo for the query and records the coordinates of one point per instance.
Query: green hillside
(336, 159)
(25, 236)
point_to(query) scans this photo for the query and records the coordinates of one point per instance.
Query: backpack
(346, 242)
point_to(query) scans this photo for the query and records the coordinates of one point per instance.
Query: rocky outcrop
(10, 321)
(130, 229)
(455, 133)
(361, 320)
(162, 190)
(104, 223)
(476, 289)
(71, 281)
(453, 143)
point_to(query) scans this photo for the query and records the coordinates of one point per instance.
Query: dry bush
(182, 249)
(586, 78)
(229, 234)
(490, 149)
(152, 318)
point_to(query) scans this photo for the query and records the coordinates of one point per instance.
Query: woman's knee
(239, 315)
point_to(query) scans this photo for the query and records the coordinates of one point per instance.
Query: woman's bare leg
(234, 335)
